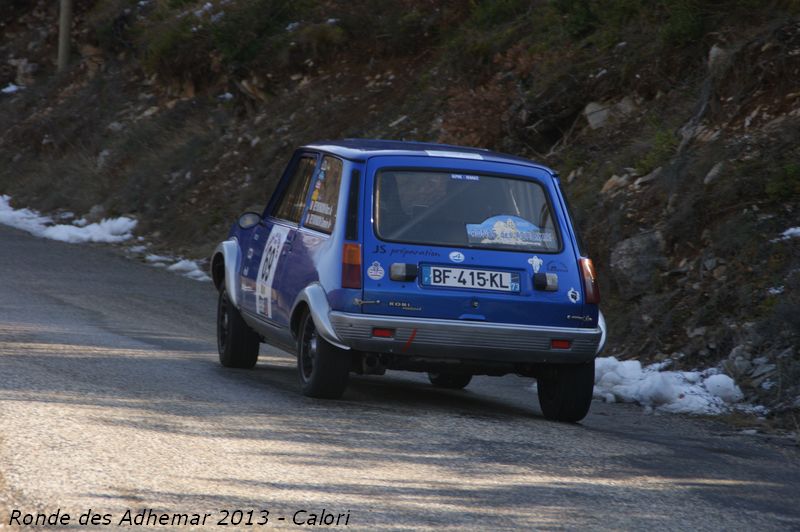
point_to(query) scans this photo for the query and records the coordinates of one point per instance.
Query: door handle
(288, 243)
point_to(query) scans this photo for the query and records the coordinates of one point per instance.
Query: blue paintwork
(529, 306)
(307, 256)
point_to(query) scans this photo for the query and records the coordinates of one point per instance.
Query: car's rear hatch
(450, 239)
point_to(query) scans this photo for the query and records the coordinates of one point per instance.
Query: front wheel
(323, 368)
(452, 381)
(565, 391)
(237, 343)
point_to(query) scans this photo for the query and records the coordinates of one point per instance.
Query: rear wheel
(565, 391)
(323, 368)
(453, 381)
(237, 343)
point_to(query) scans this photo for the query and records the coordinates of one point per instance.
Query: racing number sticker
(266, 272)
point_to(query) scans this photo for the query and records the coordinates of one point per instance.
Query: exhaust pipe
(371, 365)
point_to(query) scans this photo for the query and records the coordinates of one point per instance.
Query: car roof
(362, 149)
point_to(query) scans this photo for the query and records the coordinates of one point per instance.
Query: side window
(325, 196)
(290, 206)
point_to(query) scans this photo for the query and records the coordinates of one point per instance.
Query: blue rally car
(375, 255)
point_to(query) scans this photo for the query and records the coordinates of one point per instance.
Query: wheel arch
(218, 270)
(314, 299)
(225, 264)
(297, 315)
(601, 323)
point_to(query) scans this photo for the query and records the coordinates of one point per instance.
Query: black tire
(452, 381)
(565, 391)
(323, 368)
(237, 343)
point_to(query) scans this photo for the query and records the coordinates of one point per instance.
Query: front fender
(231, 257)
(315, 298)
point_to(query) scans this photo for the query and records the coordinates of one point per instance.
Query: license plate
(470, 278)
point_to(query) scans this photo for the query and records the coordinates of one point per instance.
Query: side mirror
(249, 220)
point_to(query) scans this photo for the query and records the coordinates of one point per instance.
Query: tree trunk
(64, 26)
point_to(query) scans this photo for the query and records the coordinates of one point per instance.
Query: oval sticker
(376, 271)
(456, 256)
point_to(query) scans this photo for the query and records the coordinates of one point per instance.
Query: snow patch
(723, 387)
(185, 267)
(685, 392)
(24, 219)
(792, 232)
(157, 258)
(208, 6)
(107, 230)
(11, 88)
(190, 269)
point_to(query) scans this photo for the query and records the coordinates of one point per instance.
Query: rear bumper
(468, 340)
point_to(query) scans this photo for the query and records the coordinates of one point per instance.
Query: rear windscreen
(463, 210)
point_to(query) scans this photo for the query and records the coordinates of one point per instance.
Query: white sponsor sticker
(376, 271)
(321, 207)
(456, 256)
(266, 272)
(573, 295)
(535, 263)
(454, 154)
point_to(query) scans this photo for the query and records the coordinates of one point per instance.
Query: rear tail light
(560, 344)
(380, 332)
(590, 286)
(351, 266)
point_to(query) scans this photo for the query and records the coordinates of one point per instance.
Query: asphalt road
(111, 399)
